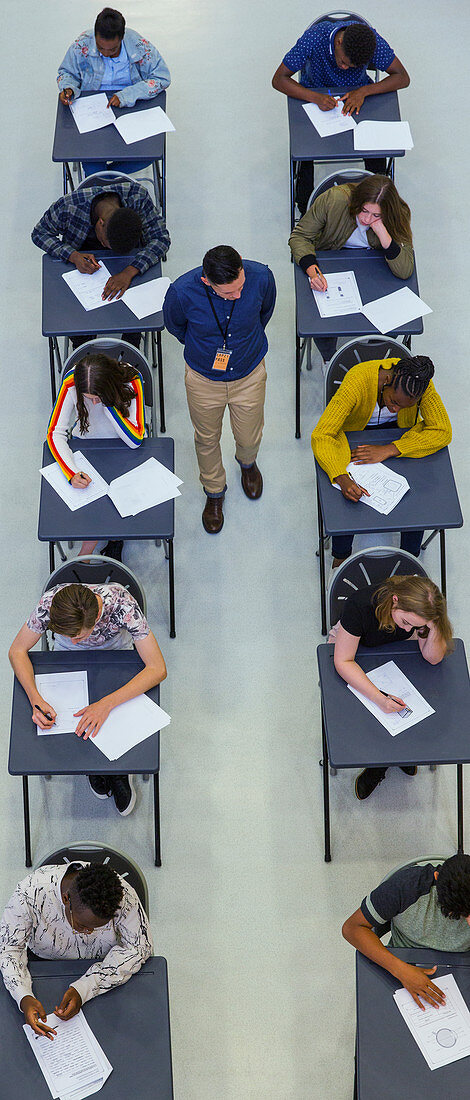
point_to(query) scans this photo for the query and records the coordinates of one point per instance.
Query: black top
(358, 618)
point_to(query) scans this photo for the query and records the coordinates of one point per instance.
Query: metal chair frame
(95, 569)
(92, 852)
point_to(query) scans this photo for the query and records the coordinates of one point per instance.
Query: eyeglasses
(79, 931)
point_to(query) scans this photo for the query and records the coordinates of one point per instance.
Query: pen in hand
(396, 700)
(44, 713)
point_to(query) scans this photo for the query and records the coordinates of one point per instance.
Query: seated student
(90, 616)
(120, 217)
(426, 907)
(101, 398)
(396, 609)
(337, 56)
(380, 394)
(117, 60)
(86, 911)
(368, 214)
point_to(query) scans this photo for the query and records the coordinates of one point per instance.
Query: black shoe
(113, 549)
(123, 793)
(409, 769)
(367, 781)
(100, 785)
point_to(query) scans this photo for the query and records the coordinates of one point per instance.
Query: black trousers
(133, 338)
(304, 185)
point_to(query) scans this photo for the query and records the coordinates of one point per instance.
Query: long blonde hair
(418, 595)
(395, 213)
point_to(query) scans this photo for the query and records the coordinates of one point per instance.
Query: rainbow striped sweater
(104, 422)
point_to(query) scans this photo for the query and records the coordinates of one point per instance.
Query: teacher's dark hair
(110, 24)
(413, 375)
(453, 887)
(359, 44)
(222, 264)
(99, 888)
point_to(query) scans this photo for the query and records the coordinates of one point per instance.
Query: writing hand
(117, 284)
(390, 704)
(114, 101)
(92, 718)
(371, 452)
(34, 1015)
(70, 1004)
(80, 480)
(349, 488)
(353, 101)
(66, 97)
(40, 710)
(316, 278)
(416, 980)
(325, 102)
(85, 262)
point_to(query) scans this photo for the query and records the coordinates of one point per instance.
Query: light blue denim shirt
(83, 68)
(117, 72)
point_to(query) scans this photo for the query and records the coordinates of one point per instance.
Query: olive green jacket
(328, 225)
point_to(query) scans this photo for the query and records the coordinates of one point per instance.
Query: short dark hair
(124, 229)
(110, 24)
(100, 889)
(359, 43)
(222, 264)
(453, 887)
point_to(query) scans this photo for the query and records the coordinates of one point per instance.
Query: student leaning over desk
(380, 394)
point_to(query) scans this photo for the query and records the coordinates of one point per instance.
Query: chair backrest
(345, 175)
(98, 569)
(360, 350)
(368, 567)
(97, 179)
(123, 352)
(89, 852)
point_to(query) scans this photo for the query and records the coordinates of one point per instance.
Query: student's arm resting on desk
(283, 81)
(63, 413)
(305, 235)
(397, 78)
(269, 300)
(126, 958)
(93, 716)
(24, 672)
(432, 645)
(155, 77)
(344, 659)
(46, 233)
(329, 443)
(431, 432)
(175, 320)
(69, 75)
(130, 429)
(15, 932)
(358, 931)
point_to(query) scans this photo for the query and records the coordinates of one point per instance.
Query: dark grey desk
(100, 519)
(107, 144)
(131, 1022)
(66, 754)
(353, 738)
(431, 502)
(389, 1063)
(374, 280)
(62, 315)
(306, 143)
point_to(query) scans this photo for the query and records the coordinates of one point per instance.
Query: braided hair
(413, 375)
(99, 888)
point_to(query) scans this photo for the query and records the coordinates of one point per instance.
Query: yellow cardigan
(351, 409)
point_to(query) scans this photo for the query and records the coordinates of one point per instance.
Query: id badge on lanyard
(221, 359)
(222, 354)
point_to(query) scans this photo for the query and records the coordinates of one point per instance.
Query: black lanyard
(219, 326)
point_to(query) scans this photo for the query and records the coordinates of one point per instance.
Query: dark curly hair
(453, 887)
(124, 229)
(99, 888)
(413, 375)
(359, 44)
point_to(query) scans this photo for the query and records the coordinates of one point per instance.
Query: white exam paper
(385, 487)
(66, 692)
(92, 112)
(383, 136)
(389, 678)
(128, 724)
(392, 311)
(73, 497)
(143, 487)
(331, 122)
(146, 298)
(89, 288)
(442, 1034)
(138, 125)
(341, 297)
(74, 1064)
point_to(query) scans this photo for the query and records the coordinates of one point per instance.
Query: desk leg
(159, 362)
(291, 191)
(52, 369)
(156, 812)
(171, 583)
(326, 791)
(460, 808)
(321, 555)
(442, 539)
(51, 557)
(390, 169)
(297, 386)
(27, 831)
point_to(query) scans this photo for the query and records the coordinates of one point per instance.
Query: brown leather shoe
(252, 482)
(213, 515)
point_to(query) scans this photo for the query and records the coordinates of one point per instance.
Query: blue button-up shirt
(117, 72)
(189, 317)
(314, 56)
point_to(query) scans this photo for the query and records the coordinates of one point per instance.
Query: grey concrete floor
(244, 909)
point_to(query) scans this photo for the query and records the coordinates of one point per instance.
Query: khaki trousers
(207, 401)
